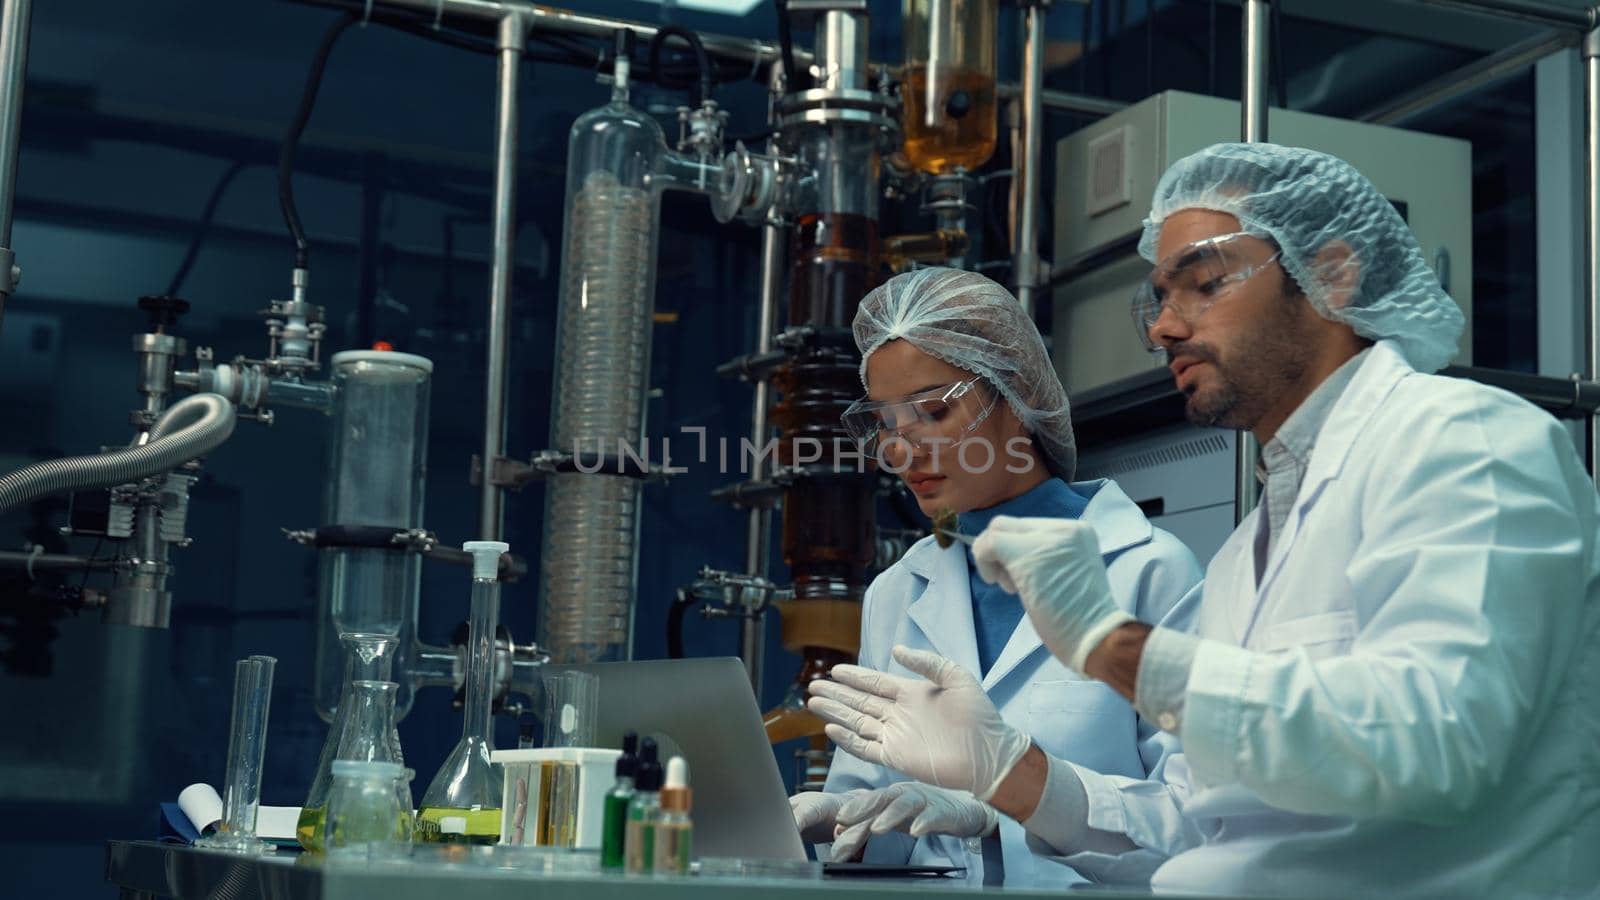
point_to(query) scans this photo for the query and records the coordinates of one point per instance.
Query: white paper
(203, 806)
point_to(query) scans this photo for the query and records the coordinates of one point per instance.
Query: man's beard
(1274, 359)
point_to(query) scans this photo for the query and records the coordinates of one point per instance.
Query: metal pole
(1252, 127)
(1469, 78)
(752, 635)
(1539, 11)
(14, 17)
(511, 38)
(1591, 230)
(1025, 250)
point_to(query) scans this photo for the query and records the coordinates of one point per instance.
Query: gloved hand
(1054, 565)
(815, 812)
(944, 731)
(915, 808)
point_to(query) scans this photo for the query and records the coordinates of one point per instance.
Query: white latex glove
(816, 812)
(944, 731)
(915, 808)
(1054, 565)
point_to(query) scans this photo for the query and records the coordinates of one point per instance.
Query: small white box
(555, 796)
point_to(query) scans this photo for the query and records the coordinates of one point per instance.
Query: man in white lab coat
(1391, 687)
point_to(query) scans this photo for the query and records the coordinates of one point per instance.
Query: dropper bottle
(614, 833)
(643, 810)
(674, 830)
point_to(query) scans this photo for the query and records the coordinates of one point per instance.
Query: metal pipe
(1025, 249)
(53, 562)
(1541, 12)
(1066, 101)
(758, 541)
(513, 30)
(1252, 127)
(1253, 95)
(566, 21)
(1591, 229)
(14, 17)
(1469, 78)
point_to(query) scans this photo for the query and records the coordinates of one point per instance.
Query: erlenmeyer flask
(364, 731)
(468, 786)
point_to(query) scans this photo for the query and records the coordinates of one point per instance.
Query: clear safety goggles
(944, 416)
(1191, 280)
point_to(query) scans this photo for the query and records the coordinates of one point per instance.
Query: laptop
(703, 710)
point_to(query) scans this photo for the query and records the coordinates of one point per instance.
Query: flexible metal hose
(194, 426)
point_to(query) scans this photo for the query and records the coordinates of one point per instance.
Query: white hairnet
(1307, 201)
(972, 323)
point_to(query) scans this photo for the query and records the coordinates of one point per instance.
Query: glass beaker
(363, 731)
(571, 702)
(468, 786)
(366, 818)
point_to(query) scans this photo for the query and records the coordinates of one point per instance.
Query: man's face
(1250, 348)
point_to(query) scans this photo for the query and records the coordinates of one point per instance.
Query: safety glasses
(1191, 280)
(944, 415)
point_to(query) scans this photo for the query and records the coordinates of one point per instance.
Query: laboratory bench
(145, 869)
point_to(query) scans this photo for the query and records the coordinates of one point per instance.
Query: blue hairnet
(974, 324)
(1307, 201)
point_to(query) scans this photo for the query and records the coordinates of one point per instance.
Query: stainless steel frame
(1025, 184)
(1252, 127)
(1591, 218)
(512, 35)
(14, 16)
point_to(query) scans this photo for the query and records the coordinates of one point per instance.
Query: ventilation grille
(1150, 459)
(1110, 181)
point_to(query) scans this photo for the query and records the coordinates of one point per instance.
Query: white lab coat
(924, 601)
(1414, 713)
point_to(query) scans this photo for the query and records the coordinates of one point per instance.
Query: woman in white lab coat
(964, 405)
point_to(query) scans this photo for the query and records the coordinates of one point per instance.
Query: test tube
(247, 743)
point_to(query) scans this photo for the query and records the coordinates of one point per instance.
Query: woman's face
(990, 464)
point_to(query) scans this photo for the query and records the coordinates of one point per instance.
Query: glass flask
(948, 86)
(363, 731)
(468, 785)
(366, 818)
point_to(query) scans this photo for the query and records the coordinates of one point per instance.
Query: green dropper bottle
(615, 825)
(639, 847)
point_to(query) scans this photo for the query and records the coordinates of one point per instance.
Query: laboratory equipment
(555, 796)
(377, 464)
(638, 842)
(948, 84)
(570, 701)
(1106, 174)
(617, 165)
(364, 731)
(615, 825)
(468, 786)
(837, 131)
(247, 744)
(674, 829)
(366, 819)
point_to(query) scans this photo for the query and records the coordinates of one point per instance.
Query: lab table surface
(144, 869)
